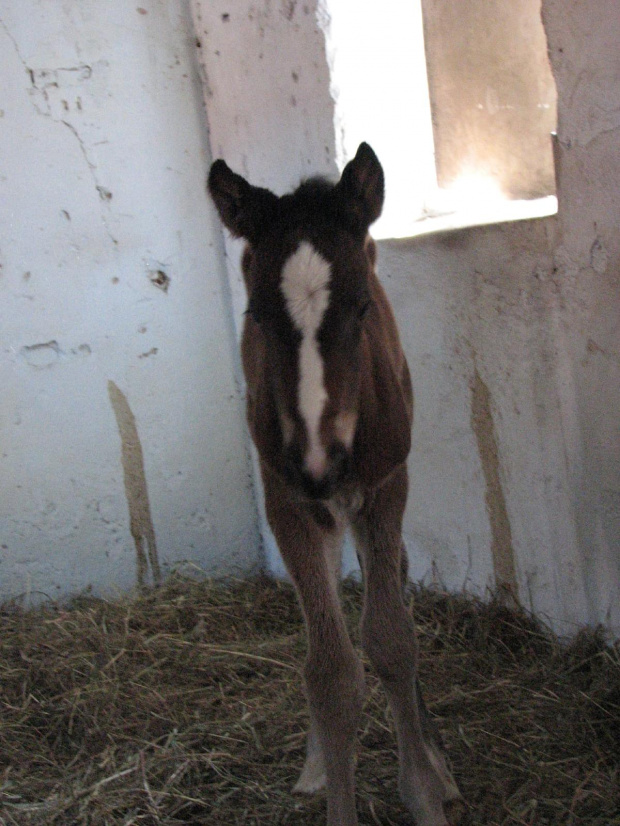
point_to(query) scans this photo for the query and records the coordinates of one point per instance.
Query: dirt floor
(185, 705)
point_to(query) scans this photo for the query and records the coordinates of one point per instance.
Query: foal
(330, 406)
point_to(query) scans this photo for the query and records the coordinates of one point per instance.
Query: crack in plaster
(41, 89)
(7, 31)
(104, 195)
(594, 103)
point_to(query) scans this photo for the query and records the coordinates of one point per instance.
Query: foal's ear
(244, 209)
(362, 179)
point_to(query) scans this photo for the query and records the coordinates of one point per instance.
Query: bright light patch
(472, 190)
(469, 193)
(475, 198)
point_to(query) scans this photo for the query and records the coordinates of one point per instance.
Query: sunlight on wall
(380, 89)
(475, 198)
(472, 188)
(379, 85)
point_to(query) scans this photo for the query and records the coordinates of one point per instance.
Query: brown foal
(330, 408)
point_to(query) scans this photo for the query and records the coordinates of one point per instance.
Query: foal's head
(307, 268)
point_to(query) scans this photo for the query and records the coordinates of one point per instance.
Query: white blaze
(305, 286)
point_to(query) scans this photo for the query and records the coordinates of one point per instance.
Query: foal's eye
(363, 309)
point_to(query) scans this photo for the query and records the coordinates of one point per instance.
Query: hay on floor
(185, 705)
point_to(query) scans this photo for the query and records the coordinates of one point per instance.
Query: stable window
(459, 102)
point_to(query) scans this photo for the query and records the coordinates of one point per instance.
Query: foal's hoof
(312, 778)
(447, 809)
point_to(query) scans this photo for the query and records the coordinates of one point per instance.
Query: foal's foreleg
(388, 635)
(333, 674)
(313, 777)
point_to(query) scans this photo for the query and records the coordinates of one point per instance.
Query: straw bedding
(185, 705)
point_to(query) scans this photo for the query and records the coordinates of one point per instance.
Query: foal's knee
(391, 646)
(335, 689)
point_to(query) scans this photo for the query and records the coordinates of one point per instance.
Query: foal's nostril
(293, 460)
(339, 461)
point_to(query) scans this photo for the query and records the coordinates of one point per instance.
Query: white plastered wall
(121, 410)
(123, 446)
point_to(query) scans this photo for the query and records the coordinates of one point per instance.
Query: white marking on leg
(305, 285)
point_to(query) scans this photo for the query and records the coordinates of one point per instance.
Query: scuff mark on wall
(501, 534)
(159, 279)
(140, 519)
(599, 258)
(41, 356)
(48, 353)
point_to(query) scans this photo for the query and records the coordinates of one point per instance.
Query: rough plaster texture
(584, 46)
(490, 499)
(123, 449)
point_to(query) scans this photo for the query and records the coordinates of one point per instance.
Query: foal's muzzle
(338, 469)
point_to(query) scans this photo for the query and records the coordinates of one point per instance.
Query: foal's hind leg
(388, 635)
